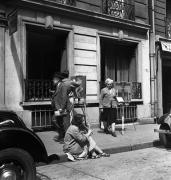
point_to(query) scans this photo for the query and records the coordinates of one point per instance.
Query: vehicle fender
(24, 139)
(165, 121)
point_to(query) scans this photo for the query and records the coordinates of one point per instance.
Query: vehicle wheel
(165, 139)
(16, 164)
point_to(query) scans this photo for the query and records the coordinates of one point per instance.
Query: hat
(65, 74)
(58, 75)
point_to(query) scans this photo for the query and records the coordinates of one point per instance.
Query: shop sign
(166, 46)
(12, 22)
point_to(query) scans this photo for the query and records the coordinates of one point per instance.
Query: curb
(156, 143)
(132, 147)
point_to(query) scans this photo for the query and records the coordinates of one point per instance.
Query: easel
(123, 104)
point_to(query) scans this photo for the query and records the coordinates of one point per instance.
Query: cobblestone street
(146, 164)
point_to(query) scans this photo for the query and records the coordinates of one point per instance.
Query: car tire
(165, 139)
(18, 162)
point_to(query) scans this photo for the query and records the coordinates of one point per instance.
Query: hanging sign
(12, 22)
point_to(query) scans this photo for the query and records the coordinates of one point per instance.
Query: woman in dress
(78, 142)
(108, 106)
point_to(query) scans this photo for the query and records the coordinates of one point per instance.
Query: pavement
(144, 164)
(137, 136)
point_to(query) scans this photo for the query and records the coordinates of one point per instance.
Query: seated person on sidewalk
(78, 142)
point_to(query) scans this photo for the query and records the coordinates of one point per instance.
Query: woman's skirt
(109, 115)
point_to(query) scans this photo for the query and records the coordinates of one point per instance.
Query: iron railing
(119, 9)
(66, 2)
(38, 90)
(129, 91)
(129, 112)
(168, 27)
(42, 118)
(136, 90)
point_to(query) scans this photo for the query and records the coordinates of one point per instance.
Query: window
(118, 61)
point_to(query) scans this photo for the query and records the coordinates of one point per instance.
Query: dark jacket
(59, 97)
(68, 87)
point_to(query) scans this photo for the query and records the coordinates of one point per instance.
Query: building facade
(162, 61)
(97, 39)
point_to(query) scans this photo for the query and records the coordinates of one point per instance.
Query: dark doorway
(118, 60)
(166, 79)
(46, 52)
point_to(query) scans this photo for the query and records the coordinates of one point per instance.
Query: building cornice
(78, 13)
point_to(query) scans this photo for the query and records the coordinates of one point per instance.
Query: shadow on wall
(17, 62)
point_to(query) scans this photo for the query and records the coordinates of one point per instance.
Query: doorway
(166, 80)
(46, 52)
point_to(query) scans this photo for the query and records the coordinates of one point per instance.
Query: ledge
(72, 11)
(93, 103)
(136, 100)
(35, 103)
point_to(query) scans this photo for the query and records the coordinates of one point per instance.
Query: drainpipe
(152, 60)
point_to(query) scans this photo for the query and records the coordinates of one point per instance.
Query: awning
(166, 46)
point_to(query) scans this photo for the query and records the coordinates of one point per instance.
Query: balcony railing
(119, 9)
(168, 27)
(38, 90)
(66, 2)
(129, 91)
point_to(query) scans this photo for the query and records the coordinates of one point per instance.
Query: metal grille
(67, 2)
(37, 90)
(127, 90)
(41, 118)
(130, 113)
(123, 90)
(136, 92)
(119, 8)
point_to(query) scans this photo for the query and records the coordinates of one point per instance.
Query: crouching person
(78, 142)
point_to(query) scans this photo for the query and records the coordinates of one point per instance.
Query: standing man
(62, 102)
(68, 88)
(58, 105)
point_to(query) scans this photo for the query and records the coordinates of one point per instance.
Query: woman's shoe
(104, 155)
(95, 156)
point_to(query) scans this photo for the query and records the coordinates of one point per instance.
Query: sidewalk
(142, 137)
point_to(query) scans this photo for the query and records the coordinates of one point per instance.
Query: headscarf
(108, 81)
